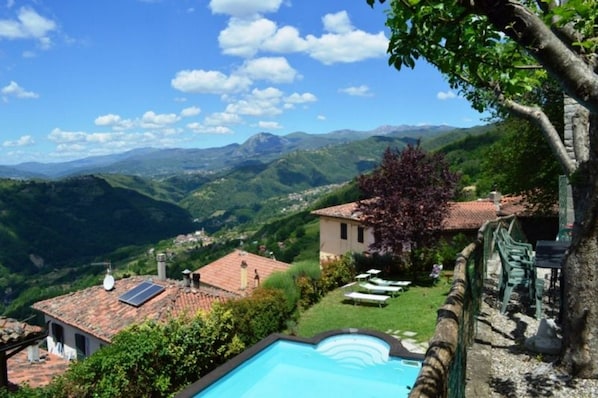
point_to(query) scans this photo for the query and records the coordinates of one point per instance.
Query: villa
(341, 230)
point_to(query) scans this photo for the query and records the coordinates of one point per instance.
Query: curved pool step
(355, 352)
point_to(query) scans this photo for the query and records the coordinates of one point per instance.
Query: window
(343, 231)
(57, 333)
(81, 346)
(360, 234)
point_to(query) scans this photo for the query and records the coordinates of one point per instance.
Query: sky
(96, 77)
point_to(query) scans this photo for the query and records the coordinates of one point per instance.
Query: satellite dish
(108, 282)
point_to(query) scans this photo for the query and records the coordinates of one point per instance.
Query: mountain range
(57, 220)
(262, 147)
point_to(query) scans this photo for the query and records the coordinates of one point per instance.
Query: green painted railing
(443, 372)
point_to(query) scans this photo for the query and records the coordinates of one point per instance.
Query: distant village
(200, 238)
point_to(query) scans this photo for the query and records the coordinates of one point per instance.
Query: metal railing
(443, 372)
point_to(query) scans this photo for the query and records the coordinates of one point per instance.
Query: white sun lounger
(386, 282)
(371, 288)
(367, 298)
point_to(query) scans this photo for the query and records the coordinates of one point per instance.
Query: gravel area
(499, 364)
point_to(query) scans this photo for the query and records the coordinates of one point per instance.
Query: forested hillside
(51, 232)
(55, 224)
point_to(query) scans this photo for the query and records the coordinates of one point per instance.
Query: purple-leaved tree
(406, 200)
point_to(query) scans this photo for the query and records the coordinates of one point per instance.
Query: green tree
(406, 199)
(521, 162)
(497, 52)
(153, 359)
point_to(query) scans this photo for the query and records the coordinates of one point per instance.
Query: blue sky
(84, 78)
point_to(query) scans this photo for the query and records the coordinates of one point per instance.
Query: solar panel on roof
(141, 293)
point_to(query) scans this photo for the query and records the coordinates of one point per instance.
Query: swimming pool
(344, 364)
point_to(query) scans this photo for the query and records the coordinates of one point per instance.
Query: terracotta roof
(347, 211)
(13, 333)
(462, 216)
(36, 374)
(100, 313)
(225, 273)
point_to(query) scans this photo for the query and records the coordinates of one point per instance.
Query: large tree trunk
(580, 310)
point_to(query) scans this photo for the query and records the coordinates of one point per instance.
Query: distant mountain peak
(262, 143)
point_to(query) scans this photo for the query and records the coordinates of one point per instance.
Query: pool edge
(396, 350)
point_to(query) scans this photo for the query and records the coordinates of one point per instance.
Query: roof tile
(225, 273)
(462, 215)
(101, 314)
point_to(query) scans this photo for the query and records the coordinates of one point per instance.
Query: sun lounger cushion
(385, 282)
(371, 288)
(364, 297)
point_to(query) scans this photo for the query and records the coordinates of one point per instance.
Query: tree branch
(575, 74)
(537, 116)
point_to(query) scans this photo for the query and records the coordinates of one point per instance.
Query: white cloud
(243, 38)
(202, 129)
(244, 8)
(269, 125)
(61, 137)
(257, 103)
(222, 118)
(103, 138)
(114, 121)
(321, 117)
(14, 90)
(25, 140)
(362, 91)
(348, 47)
(28, 25)
(342, 42)
(297, 98)
(337, 23)
(77, 144)
(190, 111)
(107, 120)
(211, 82)
(285, 40)
(272, 69)
(442, 95)
(151, 120)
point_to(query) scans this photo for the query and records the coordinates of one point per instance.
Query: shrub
(152, 359)
(284, 282)
(449, 249)
(259, 315)
(307, 276)
(338, 272)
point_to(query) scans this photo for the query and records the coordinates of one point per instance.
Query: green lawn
(413, 310)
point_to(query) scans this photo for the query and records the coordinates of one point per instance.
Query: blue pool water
(349, 365)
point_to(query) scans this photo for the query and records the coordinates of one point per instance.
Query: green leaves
(476, 55)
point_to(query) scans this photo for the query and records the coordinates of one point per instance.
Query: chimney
(256, 279)
(195, 279)
(161, 266)
(243, 275)
(495, 197)
(187, 277)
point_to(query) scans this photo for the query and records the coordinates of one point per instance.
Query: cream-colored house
(341, 231)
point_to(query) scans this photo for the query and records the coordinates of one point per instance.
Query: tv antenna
(108, 279)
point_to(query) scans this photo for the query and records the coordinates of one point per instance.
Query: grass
(413, 310)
